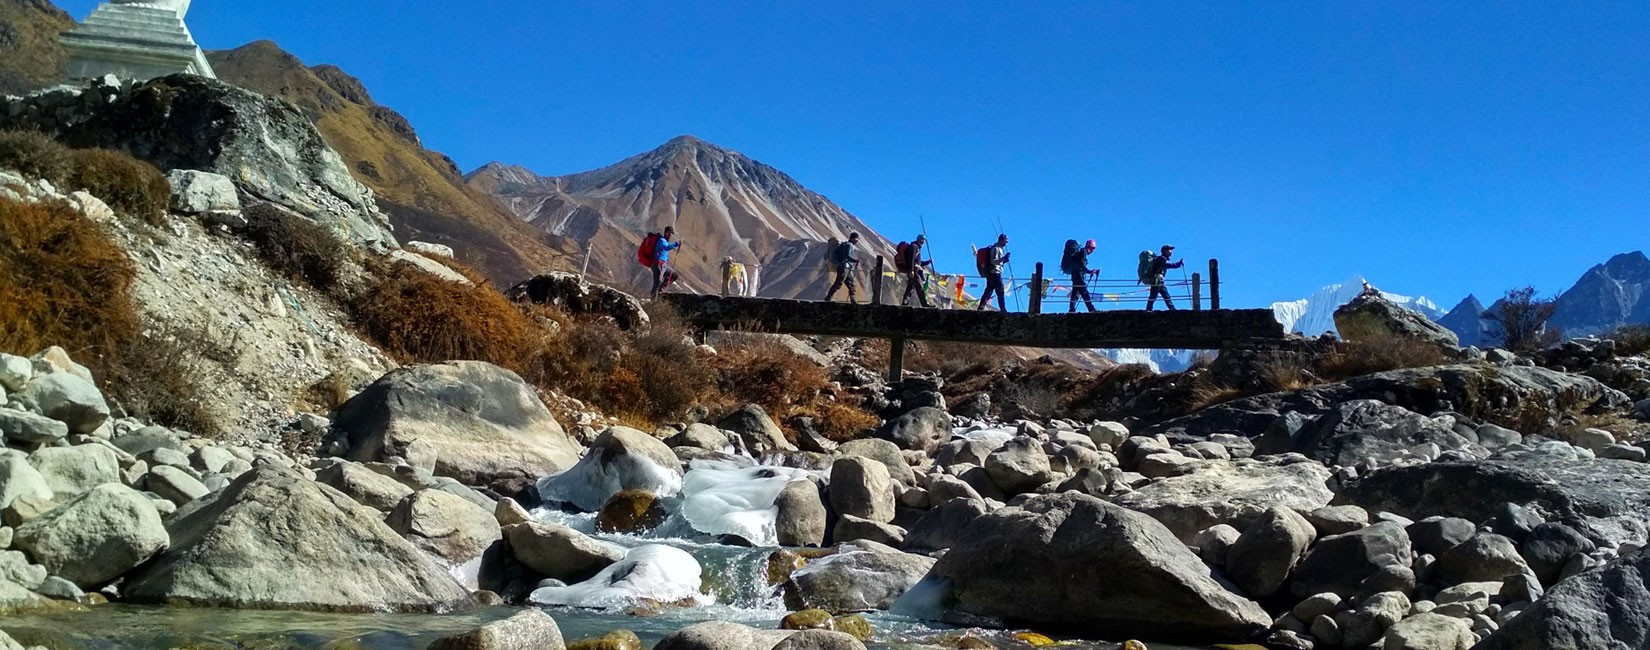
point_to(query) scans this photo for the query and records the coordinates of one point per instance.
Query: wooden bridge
(1185, 329)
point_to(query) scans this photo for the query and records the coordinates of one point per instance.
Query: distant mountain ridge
(1606, 297)
(722, 203)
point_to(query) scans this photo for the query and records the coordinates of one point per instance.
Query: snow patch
(652, 573)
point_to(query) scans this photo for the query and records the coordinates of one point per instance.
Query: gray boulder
(531, 629)
(860, 576)
(72, 470)
(95, 537)
(1428, 632)
(1351, 565)
(820, 640)
(273, 540)
(1335, 520)
(174, 485)
(722, 635)
(1019, 466)
(941, 527)
(620, 459)
(486, 424)
(702, 436)
(801, 516)
(853, 529)
(758, 431)
(1371, 318)
(20, 479)
(30, 429)
(1120, 574)
(883, 452)
(15, 372)
(367, 487)
(198, 192)
(861, 487)
(923, 429)
(1234, 493)
(1354, 432)
(1261, 559)
(556, 551)
(67, 398)
(1436, 535)
(444, 525)
(1608, 607)
(1549, 547)
(1483, 558)
(573, 295)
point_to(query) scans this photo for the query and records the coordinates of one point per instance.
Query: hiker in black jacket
(1078, 267)
(844, 260)
(1161, 266)
(916, 276)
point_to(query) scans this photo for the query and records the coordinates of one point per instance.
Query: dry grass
(1206, 394)
(1632, 340)
(296, 247)
(763, 372)
(1356, 359)
(35, 155)
(841, 422)
(131, 187)
(417, 317)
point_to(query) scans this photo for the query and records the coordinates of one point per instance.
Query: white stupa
(135, 39)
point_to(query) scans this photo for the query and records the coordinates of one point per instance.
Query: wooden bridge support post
(1214, 284)
(876, 283)
(896, 360)
(1197, 292)
(1037, 290)
(727, 276)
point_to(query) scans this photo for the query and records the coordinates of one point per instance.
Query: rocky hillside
(30, 57)
(722, 203)
(1607, 296)
(421, 190)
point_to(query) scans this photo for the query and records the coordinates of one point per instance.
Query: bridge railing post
(1197, 292)
(1037, 290)
(876, 283)
(727, 276)
(896, 360)
(1214, 284)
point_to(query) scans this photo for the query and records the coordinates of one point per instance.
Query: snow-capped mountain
(1310, 316)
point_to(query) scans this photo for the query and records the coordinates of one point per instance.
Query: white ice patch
(995, 437)
(656, 573)
(590, 483)
(737, 501)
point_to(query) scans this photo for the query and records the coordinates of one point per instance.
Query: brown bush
(35, 155)
(296, 247)
(1632, 340)
(1358, 358)
(130, 186)
(841, 422)
(63, 281)
(766, 373)
(157, 377)
(419, 318)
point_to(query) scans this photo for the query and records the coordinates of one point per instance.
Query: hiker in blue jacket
(661, 260)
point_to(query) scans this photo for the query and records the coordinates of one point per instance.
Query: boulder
(1019, 466)
(72, 470)
(1261, 559)
(1100, 571)
(860, 576)
(27, 428)
(1606, 500)
(756, 429)
(531, 629)
(801, 516)
(1608, 607)
(488, 426)
(367, 487)
(1214, 543)
(174, 485)
(1483, 558)
(883, 452)
(198, 192)
(15, 372)
(962, 452)
(721, 635)
(1351, 564)
(616, 640)
(942, 526)
(1334, 520)
(620, 459)
(556, 551)
(1373, 319)
(702, 436)
(861, 487)
(95, 537)
(820, 640)
(1110, 434)
(1232, 493)
(273, 540)
(20, 479)
(853, 529)
(923, 429)
(572, 294)
(508, 512)
(1428, 632)
(1364, 625)
(1436, 535)
(67, 398)
(444, 525)
(1549, 547)
(1355, 432)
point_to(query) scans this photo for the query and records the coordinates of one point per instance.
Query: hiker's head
(921, 239)
(1168, 250)
(1090, 246)
(670, 231)
(1002, 240)
(854, 237)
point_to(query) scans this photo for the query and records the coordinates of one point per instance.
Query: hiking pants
(661, 273)
(994, 283)
(1080, 287)
(1159, 289)
(844, 278)
(914, 282)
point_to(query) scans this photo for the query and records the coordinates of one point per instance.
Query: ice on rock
(653, 573)
(596, 478)
(729, 500)
(994, 436)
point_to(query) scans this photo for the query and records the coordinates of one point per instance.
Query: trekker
(1075, 263)
(909, 261)
(990, 261)
(654, 253)
(843, 261)
(1160, 266)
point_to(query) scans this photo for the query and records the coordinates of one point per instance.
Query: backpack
(902, 257)
(982, 261)
(1068, 260)
(841, 254)
(1145, 270)
(647, 254)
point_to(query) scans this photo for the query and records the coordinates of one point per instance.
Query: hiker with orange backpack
(908, 260)
(654, 253)
(990, 262)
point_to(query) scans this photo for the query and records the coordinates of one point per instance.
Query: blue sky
(1436, 148)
